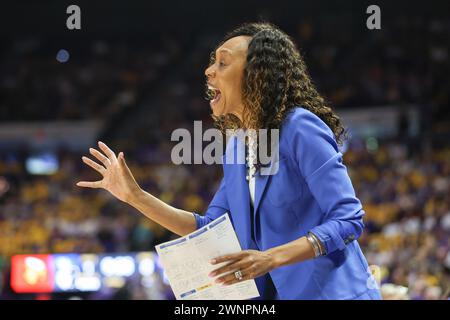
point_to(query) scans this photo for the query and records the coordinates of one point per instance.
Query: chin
(218, 114)
(218, 110)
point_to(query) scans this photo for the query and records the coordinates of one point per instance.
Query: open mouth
(213, 94)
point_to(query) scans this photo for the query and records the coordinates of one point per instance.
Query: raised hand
(117, 177)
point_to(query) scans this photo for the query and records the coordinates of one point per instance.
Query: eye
(221, 64)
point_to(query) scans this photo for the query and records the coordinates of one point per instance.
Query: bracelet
(319, 243)
(314, 244)
(318, 249)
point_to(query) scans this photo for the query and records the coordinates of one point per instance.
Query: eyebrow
(224, 50)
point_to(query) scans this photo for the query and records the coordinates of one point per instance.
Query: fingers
(89, 184)
(228, 257)
(124, 166)
(230, 279)
(109, 153)
(233, 266)
(122, 163)
(100, 156)
(94, 165)
(121, 159)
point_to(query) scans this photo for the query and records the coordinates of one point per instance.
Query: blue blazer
(311, 191)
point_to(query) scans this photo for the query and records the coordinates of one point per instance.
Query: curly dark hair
(275, 81)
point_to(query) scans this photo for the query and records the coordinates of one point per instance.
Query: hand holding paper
(186, 262)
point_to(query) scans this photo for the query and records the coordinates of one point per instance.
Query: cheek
(236, 90)
(233, 91)
(238, 84)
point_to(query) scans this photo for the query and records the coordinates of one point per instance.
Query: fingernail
(213, 261)
(212, 274)
(218, 280)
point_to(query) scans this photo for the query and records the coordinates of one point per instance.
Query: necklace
(251, 149)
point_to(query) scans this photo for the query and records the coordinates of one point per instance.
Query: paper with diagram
(186, 263)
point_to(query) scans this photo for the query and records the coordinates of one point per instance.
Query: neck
(238, 112)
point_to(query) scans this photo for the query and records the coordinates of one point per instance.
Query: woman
(298, 227)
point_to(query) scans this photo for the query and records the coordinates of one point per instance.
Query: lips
(214, 94)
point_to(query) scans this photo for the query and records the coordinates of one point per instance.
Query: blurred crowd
(405, 62)
(48, 213)
(406, 197)
(405, 190)
(99, 78)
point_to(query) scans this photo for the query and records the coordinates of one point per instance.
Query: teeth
(212, 92)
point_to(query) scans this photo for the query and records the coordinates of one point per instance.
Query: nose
(209, 72)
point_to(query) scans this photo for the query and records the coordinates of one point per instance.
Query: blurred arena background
(134, 73)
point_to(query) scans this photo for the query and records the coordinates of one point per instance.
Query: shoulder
(304, 123)
(309, 140)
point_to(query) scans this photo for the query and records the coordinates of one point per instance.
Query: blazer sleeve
(217, 207)
(320, 162)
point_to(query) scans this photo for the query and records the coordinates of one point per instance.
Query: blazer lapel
(238, 193)
(261, 180)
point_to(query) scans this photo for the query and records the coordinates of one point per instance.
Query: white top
(251, 159)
